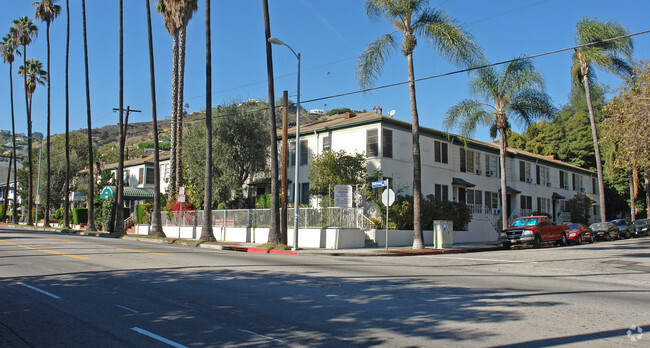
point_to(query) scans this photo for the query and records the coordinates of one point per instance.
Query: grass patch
(270, 246)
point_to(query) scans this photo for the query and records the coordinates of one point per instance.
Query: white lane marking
(476, 259)
(156, 337)
(128, 309)
(256, 334)
(39, 290)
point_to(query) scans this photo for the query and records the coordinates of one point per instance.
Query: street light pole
(38, 181)
(296, 191)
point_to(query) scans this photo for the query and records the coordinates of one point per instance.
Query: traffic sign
(381, 183)
(388, 197)
(37, 200)
(181, 190)
(181, 198)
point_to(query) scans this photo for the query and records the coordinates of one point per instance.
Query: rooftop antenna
(391, 113)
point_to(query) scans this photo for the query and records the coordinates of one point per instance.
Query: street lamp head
(275, 41)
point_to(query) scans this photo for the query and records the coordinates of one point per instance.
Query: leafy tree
(338, 111)
(579, 207)
(332, 168)
(517, 91)
(47, 11)
(401, 213)
(414, 18)
(23, 31)
(611, 50)
(7, 49)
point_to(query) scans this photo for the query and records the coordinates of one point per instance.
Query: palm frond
(486, 83)
(449, 38)
(520, 75)
(466, 116)
(607, 55)
(371, 62)
(530, 105)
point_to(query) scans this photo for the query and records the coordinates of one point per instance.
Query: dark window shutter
(436, 152)
(537, 169)
(522, 171)
(462, 160)
(445, 150)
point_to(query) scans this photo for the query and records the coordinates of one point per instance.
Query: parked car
(625, 228)
(534, 230)
(641, 227)
(579, 233)
(604, 230)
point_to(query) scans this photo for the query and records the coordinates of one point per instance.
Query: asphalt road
(61, 290)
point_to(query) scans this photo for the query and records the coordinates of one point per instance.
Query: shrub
(79, 216)
(401, 213)
(142, 212)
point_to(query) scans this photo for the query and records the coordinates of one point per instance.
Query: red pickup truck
(534, 230)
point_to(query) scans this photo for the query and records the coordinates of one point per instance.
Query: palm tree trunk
(156, 218)
(66, 214)
(13, 139)
(504, 187)
(174, 120)
(594, 134)
(632, 195)
(6, 197)
(30, 180)
(179, 106)
(206, 228)
(418, 238)
(91, 172)
(274, 231)
(46, 206)
(646, 178)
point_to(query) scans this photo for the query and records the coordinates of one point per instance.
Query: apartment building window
(544, 205)
(304, 152)
(326, 143)
(304, 193)
(387, 143)
(292, 153)
(525, 202)
(372, 143)
(492, 200)
(474, 197)
(127, 175)
(491, 165)
(594, 186)
(442, 192)
(525, 171)
(440, 152)
(564, 180)
(151, 174)
(578, 185)
(543, 176)
(141, 176)
(470, 160)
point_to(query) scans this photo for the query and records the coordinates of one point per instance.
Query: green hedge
(79, 216)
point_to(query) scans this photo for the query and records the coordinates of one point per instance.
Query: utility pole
(283, 208)
(119, 195)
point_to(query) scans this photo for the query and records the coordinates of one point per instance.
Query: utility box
(443, 234)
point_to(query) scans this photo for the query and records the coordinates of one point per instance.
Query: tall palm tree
(91, 172)
(414, 18)
(274, 229)
(24, 30)
(170, 12)
(611, 55)
(7, 48)
(66, 213)
(47, 11)
(516, 92)
(206, 228)
(156, 218)
(185, 12)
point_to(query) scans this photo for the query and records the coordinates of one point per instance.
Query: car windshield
(640, 222)
(526, 222)
(618, 222)
(598, 226)
(574, 226)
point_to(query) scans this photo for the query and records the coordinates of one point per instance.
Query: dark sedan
(579, 233)
(641, 227)
(625, 228)
(605, 231)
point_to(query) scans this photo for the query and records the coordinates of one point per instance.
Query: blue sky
(328, 34)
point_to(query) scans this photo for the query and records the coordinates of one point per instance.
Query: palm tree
(66, 214)
(91, 172)
(7, 48)
(516, 92)
(414, 18)
(156, 218)
(46, 11)
(185, 12)
(206, 228)
(24, 30)
(613, 55)
(169, 10)
(275, 235)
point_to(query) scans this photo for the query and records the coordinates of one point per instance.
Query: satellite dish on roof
(391, 113)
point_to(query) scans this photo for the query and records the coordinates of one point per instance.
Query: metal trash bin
(443, 234)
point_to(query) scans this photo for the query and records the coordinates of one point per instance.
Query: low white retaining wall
(330, 238)
(398, 238)
(478, 231)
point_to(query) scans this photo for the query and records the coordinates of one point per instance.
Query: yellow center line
(46, 251)
(109, 247)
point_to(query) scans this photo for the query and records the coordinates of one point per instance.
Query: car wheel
(592, 239)
(579, 240)
(506, 246)
(608, 236)
(627, 235)
(563, 241)
(537, 242)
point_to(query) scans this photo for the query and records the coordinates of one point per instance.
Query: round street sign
(388, 197)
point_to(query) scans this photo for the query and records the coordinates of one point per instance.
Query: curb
(259, 250)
